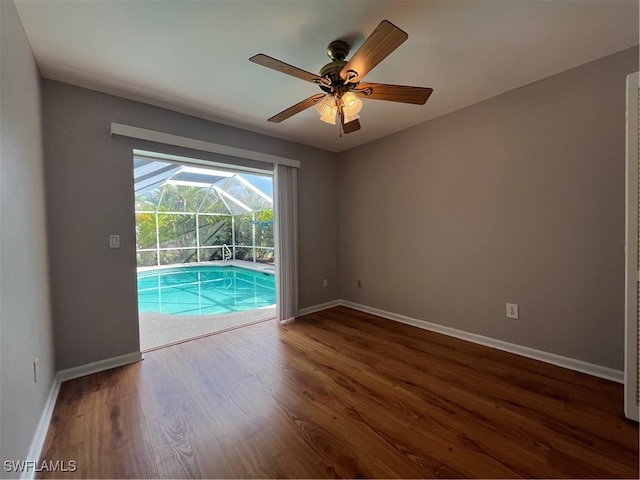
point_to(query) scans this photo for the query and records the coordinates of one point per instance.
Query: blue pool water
(204, 290)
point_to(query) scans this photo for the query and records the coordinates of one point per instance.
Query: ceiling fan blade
(384, 40)
(297, 108)
(394, 93)
(270, 62)
(348, 127)
(352, 126)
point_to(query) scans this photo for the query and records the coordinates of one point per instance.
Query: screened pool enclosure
(188, 214)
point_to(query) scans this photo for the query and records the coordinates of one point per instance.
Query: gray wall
(25, 318)
(90, 195)
(519, 199)
(516, 199)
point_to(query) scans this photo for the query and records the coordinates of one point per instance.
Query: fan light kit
(329, 106)
(341, 79)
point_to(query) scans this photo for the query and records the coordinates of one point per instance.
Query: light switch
(114, 241)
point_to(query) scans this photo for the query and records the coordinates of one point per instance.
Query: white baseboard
(95, 367)
(318, 308)
(63, 375)
(42, 428)
(558, 360)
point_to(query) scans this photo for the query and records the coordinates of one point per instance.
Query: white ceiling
(192, 56)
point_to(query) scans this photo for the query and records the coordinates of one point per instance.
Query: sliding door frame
(632, 248)
(284, 288)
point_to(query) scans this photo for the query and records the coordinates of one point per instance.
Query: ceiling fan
(341, 79)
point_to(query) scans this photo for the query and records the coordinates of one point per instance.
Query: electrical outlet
(35, 371)
(324, 282)
(512, 310)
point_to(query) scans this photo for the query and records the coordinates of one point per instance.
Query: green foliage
(145, 230)
(264, 228)
(182, 198)
(215, 230)
(177, 230)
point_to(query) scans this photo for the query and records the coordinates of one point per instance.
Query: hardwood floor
(340, 393)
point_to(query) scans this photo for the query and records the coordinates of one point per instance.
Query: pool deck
(160, 330)
(259, 267)
(255, 266)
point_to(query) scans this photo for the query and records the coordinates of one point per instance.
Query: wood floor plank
(403, 436)
(423, 414)
(340, 393)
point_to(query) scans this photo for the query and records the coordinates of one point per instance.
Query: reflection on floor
(160, 330)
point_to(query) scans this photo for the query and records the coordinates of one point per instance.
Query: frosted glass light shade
(329, 117)
(325, 105)
(350, 118)
(327, 109)
(351, 104)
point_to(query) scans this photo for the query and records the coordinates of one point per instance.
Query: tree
(169, 216)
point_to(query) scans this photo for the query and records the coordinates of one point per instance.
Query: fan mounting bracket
(338, 50)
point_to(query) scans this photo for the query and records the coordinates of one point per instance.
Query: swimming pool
(204, 290)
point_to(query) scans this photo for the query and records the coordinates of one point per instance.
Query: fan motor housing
(332, 70)
(337, 52)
